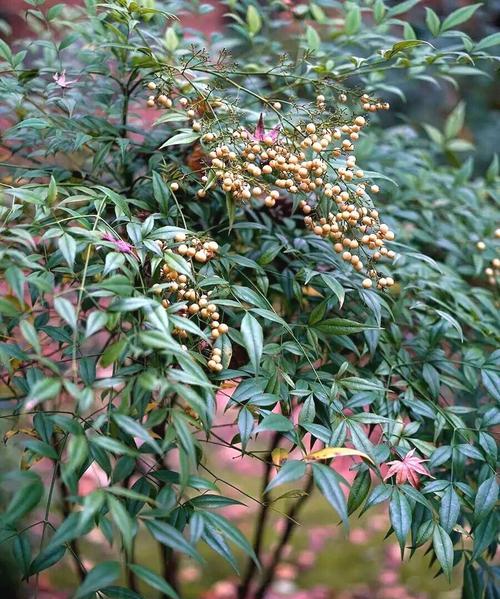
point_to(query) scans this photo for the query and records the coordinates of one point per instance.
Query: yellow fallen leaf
(335, 452)
(278, 456)
(311, 292)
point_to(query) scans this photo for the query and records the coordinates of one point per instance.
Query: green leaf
(66, 311)
(334, 286)
(402, 46)
(153, 580)
(178, 263)
(313, 39)
(171, 537)
(449, 509)
(254, 20)
(275, 422)
(352, 20)
(491, 380)
(123, 522)
(171, 39)
(24, 500)
(47, 558)
(459, 16)
(355, 383)
(113, 445)
(114, 261)
(359, 490)
(77, 454)
(434, 134)
(245, 426)
(289, 471)
(113, 352)
(42, 390)
(488, 41)
(455, 121)
(443, 548)
(486, 498)
(185, 137)
(402, 7)
(16, 279)
(21, 550)
(326, 481)
(230, 532)
(432, 21)
(217, 542)
(67, 247)
(400, 514)
(253, 339)
(161, 194)
(132, 427)
(341, 326)
(41, 448)
(96, 321)
(28, 331)
(100, 577)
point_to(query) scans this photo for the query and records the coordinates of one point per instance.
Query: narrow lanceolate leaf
(100, 577)
(29, 333)
(253, 338)
(23, 501)
(459, 16)
(42, 390)
(245, 426)
(359, 490)
(77, 454)
(254, 21)
(123, 522)
(290, 471)
(335, 452)
(178, 263)
(171, 537)
(341, 326)
(231, 533)
(66, 311)
(217, 542)
(95, 322)
(132, 427)
(185, 137)
(67, 247)
(449, 509)
(326, 481)
(486, 498)
(400, 513)
(153, 580)
(443, 548)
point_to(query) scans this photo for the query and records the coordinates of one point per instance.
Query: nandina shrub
(175, 224)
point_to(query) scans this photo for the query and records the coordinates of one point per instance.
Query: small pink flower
(408, 469)
(60, 79)
(260, 132)
(121, 246)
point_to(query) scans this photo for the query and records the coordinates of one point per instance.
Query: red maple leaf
(408, 469)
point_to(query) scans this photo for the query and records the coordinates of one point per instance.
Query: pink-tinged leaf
(121, 246)
(408, 469)
(259, 130)
(60, 79)
(273, 134)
